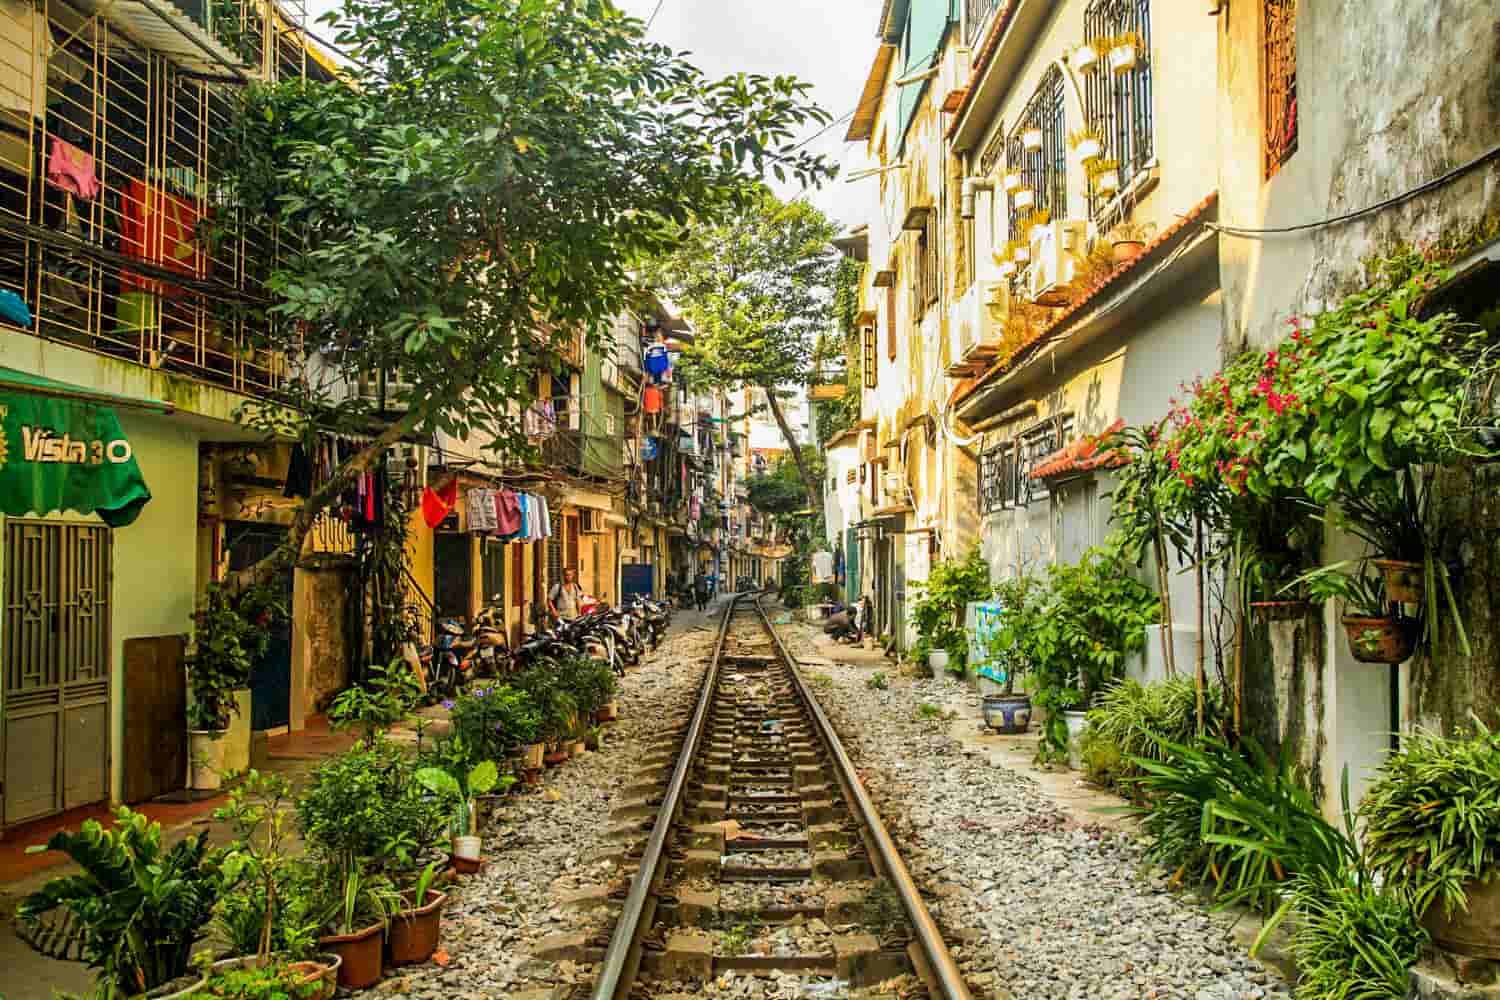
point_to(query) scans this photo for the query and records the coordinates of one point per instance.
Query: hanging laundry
(71, 169)
(437, 503)
(651, 399)
(541, 419)
(507, 512)
(648, 449)
(523, 504)
(13, 308)
(299, 473)
(480, 509)
(161, 229)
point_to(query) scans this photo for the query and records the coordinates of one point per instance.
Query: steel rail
(622, 958)
(944, 972)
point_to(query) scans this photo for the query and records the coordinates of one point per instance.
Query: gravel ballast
(1035, 902)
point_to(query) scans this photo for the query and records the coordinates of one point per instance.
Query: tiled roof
(1082, 455)
(1086, 297)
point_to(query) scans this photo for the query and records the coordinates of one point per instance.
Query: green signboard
(61, 454)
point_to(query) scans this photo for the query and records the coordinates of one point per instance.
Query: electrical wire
(652, 19)
(1380, 206)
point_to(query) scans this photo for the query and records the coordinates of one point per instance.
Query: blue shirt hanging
(658, 362)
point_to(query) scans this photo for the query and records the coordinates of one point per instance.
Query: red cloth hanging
(436, 505)
(161, 229)
(651, 399)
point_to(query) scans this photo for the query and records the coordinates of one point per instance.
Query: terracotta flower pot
(557, 757)
(1380, 640)
(323, 969)
(609, 713)
(1472, 932)
(360, 952)
(577, 749)
(1404, 581)
(465, 866)
(1279, 611)
(531, 756)
(414, 931)
(1128, 250)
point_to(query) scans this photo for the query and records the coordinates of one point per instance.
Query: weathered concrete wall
(1390, 95)
(321, 658)
(1284, 692)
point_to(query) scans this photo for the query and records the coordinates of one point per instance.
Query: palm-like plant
(138, 906)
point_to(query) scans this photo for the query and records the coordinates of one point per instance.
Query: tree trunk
(307, 514)
(1200, 679)
(814, 493)
(1164, 584)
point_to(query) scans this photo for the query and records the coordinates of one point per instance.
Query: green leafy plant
(877, 682)
(938, 611)
(928, 712)
(590, 683)
(493, 721)
(1082, 625)
(365, 804)
(1352, 940)
(1432, 819)
(139, 904)
(387, 696)
(555, 704)
(356, 898)
(1131, 721)
(240, 916)
(1362, 593)
(1007, 647)
(460, 789)
(230, 632)
(270, 981)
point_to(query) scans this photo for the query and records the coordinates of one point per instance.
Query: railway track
(762, 853)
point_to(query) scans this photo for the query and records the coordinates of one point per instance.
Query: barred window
(1043, 167)
(1033, 445)
(867, 359)
(997, 478)
(1118, 104)
(926, 275)
(1280, 83)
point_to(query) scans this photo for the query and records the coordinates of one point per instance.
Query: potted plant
(388, 695)
(1377, 632)
(358, 907)
(278, 979)
(1390, 514)
(460, 793)
(1431, 825)
(595, 737)
(230, 632)
(1023, 198)
(1124, 52)
(1105, 176)
(137, 905)
(1085, 58)
(1128, 240)
(1011, 181)
(416, 927)
(1005, 647)
(1031, 138)
(1087, 144)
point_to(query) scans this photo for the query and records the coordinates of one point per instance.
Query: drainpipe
(971, 186)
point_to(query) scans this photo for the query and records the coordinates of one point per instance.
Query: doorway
(54, 735)
(248, 542)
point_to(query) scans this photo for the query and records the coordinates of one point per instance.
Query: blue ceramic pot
(1008, 713)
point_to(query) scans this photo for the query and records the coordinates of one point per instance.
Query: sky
(829, 44)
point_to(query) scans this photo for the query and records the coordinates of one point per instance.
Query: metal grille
(976, 15)
(997, 478)
(1035, 444)
(1118, 105)
(57, 662)
(127, 272)
(989, 159)
(1280, 83)
(1043, 170)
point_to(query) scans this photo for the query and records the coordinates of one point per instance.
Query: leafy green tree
(757, 288)
(465, 208)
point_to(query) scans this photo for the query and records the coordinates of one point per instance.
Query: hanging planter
(1107, 181)
(1021, 253)
(1024, 198)
(1123, 54)
(1089, 149)
(1012, 180)
(1032, 139)
(1085, 58)
(1007, 268)
(1381, 640)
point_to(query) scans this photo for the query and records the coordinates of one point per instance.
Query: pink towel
(71, 169)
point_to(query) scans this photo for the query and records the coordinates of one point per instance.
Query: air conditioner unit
(1055, 250)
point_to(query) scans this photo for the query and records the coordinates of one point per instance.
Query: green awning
(63, 449)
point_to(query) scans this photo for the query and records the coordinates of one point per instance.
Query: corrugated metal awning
(159, 26)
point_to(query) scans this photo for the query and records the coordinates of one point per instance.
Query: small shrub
(928, 712)
(1134, 720)
(493, 721)
(942, 599)
(364, 803)
(1353, 940)
(877, 682)
(822, 682)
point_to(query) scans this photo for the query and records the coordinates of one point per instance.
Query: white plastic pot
(205, 759)
(1022, 254)
(1122, 58)
(468, 847)
(1107, 182)
(1075, 721)
(1012, 180)
(237, 740)
(1025, 198)
(938, 660)
(1032, 138)
(1085, 58)
(1089, 149)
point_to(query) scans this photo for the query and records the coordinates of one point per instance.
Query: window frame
(1278, 52)
(1035, 443)
(1044, 171)
(1119, 106)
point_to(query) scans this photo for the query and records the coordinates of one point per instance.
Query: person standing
(700, 590)
(565, 597)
